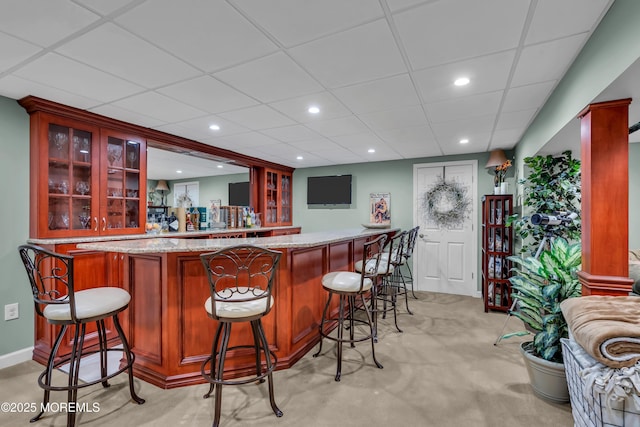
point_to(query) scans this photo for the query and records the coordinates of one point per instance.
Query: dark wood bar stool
(55, 299)
(405, 267)
(349, 285)
(240, 280)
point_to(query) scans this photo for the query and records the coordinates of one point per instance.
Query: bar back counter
(168, 327)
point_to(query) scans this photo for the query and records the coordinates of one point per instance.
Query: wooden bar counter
(167, 325)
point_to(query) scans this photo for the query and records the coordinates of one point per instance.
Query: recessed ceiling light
(214, 127)
(299, 158)
(220, 166)
(462, 81)
(178, 171)
(371, 150)
(464, 141)
(313, 110)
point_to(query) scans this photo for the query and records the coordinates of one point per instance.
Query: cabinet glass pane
(115, 151)
(81, 219)
(58, 213)
(133, 155)
(131, 220)
(59, 142)
(82, 146)
(115, 213)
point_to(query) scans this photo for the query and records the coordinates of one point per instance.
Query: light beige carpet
(442, 371)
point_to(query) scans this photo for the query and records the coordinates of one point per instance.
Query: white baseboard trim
(16, 357)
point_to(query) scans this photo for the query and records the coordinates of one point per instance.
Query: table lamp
(162, 188)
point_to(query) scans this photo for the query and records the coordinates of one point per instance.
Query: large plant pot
(548, 379)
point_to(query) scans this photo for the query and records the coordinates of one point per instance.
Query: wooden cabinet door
(65, 178)
(277, 198)
(123, 179)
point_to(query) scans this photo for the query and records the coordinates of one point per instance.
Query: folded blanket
(607, 327)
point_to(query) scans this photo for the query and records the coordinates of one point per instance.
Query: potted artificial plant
(539, 285)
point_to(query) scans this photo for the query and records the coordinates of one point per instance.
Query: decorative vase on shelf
(504, 188)
(497, 189)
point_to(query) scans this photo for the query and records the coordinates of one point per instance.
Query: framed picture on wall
(380, 208)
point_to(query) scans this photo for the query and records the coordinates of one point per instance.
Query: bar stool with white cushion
(51, 276)
(349, 285)
(240, 280)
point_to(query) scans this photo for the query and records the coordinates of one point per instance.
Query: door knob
(421, 236)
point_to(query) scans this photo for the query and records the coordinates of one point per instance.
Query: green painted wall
(14, 214)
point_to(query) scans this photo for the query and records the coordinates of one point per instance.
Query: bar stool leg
(340, 337)
(49, 372)
(127, 354)
(220, 372)
(74, 370)
(102, 338)
(257, 345)
(214, 352)
(257, 324)
(324, 315)
(373, 349)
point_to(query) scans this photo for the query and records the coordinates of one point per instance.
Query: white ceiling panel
(291, 133)
(46, 23)
(381, 72)
(396, 118)
(547, 61)
(271, 78)
(64, 74)
(14, 51)
(486, 74)
(297, 108)
(527, 97)
(336, 127)
(208, 94)
(258, 117)
(447, 31)
(549, 21)
(127, 56)
(378, 95)
(208, 34)
(306, 21)
(354, 56)
(159, 107)
(467, 107)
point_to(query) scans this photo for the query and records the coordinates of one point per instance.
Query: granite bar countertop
(174, 235)
(164, 244)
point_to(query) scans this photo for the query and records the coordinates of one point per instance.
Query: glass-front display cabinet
(88, 180)
(277, 198)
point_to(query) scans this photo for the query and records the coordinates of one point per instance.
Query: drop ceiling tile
(487, 74)
(412, 151)
(270, 78)
(311, 161)
(14, 51)
(395, 118)
(126, 115)
(74, 77)
(216, 36)
(282, 150)
(200, 127)
(126, 56)
(547, 61)
(409, 135)
(476, 129)
(291, 133)
(460, 108)
(446, 31)
(515, 119)
(160, 107)
(395, 5)
(208, 94)
(527, 97)
(314, 145)
(378, 95)
(305, 21)
(105, 7)
(340, 156)
(506, 138)
(360, 142)
(336, 127)
(16, 88)
(250, 139)
(297, 108)
(555, 19)
(354, 56)
(45, 23)
(258, 117)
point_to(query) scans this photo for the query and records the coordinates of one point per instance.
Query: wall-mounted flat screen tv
(329, 190)
(239, 193)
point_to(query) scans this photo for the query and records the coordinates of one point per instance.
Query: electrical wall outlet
(11, 311)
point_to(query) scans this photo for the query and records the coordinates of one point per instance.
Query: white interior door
(445, 258)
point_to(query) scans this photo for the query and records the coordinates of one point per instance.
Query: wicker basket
(589, 408)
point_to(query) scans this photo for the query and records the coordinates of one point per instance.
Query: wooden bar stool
(55, 299)
(240, 281)
(349, 285)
